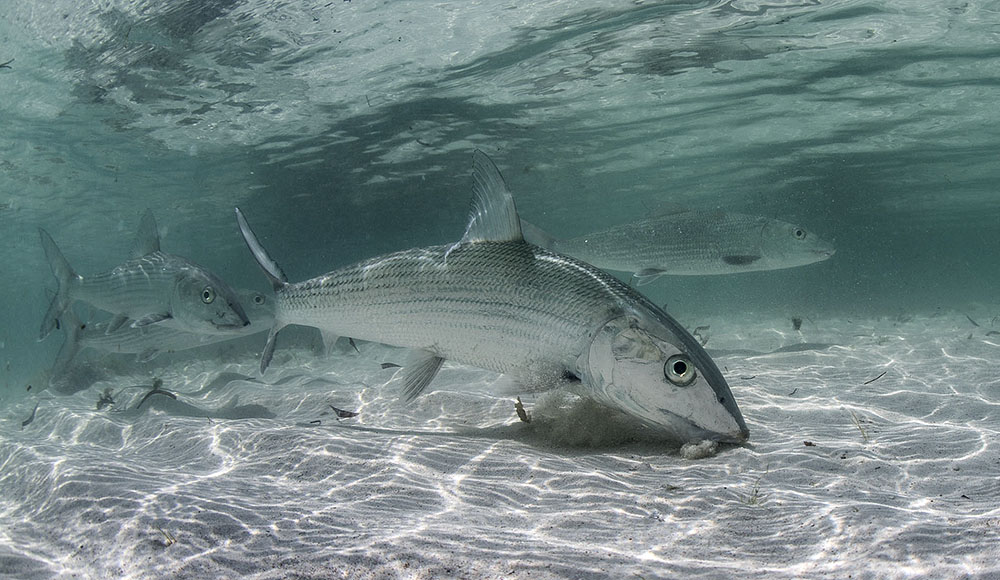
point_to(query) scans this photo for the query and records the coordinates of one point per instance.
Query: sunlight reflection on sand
(848, 471)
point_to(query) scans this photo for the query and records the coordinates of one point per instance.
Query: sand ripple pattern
(896, 478)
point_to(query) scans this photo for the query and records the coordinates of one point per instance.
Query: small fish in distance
(147, 342)
(152, 287)
(691, 243)
(342, 414)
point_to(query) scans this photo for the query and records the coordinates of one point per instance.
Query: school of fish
(505, 297)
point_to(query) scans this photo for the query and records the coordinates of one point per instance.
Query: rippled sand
(850, 472)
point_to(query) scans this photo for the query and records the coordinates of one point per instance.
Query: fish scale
(139, 285)
(446, 298)
(687, 245)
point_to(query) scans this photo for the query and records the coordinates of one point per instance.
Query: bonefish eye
(799, 233)
(679, 370)
(208, 295)
(258, 299)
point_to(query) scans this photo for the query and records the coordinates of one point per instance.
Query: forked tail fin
(270, 267)
(64, 275)
(72, 326)
(274, 274)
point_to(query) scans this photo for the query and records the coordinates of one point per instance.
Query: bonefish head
(639, 364)
(789, 245)
(204, 303)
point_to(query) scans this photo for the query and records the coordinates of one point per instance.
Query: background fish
(692, 243)
(496, 302)
(149, 341)
(153, 287)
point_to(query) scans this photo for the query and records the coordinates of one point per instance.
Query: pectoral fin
(148, 319)
(147, 355)
(268, 353)
(419, 372)
(643, 277)
(116, 323)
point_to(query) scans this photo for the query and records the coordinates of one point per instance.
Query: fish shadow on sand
(801, 347)
(558, 422)
(178, 408)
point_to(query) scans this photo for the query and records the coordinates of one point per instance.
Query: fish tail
(274, 273)
(64, 276)
(270, 267)
(72, 326)
(537, 236)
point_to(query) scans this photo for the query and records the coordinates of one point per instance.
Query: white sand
(899, 478)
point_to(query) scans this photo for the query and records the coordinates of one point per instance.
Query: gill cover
(647, 371)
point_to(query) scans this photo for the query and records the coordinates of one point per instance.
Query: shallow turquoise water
(346, 129)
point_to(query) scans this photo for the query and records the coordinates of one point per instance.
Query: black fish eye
(208, 295)
(679, 370)
(799, 233)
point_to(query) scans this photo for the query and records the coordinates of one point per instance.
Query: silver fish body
(499, 303)
(693, 243)
(156, 282)
(454, 300)
(149, 341)
(151, 288)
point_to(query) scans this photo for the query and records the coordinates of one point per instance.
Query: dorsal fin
(494, 217)
(147, 238)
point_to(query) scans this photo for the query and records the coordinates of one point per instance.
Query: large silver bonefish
(494, 301)
(151, 288)
(691, 243)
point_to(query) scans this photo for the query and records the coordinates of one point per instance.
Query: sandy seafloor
(845, 476)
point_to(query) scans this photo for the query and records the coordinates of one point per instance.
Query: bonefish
(692, 243)
(153, 287)
(494, 301)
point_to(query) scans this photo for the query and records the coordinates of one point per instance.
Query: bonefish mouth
(685, 430)
(230, 326)
(738, 438)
